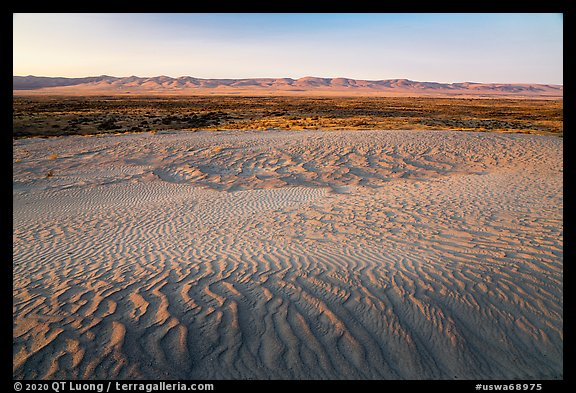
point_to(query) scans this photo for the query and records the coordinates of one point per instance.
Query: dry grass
(50, 116)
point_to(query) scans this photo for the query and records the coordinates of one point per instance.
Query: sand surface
(308, 254)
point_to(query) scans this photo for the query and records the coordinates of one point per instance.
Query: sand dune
(310, 255)
(186, 85)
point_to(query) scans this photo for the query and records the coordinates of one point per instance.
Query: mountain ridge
(105, 84)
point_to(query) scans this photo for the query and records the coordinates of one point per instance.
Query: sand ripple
(402, 255)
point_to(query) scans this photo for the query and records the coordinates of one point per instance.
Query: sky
(447, 48)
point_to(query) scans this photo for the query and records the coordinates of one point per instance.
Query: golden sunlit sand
(288, 255)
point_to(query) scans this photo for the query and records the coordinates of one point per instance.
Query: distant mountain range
(186, 85)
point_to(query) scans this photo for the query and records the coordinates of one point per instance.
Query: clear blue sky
(515, 48)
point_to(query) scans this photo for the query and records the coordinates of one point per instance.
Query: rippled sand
(308, 255)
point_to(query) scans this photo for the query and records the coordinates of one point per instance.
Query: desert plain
(243, 245)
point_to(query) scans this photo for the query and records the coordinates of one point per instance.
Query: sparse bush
(108, 124)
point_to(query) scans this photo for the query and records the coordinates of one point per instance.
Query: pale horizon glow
(446, 48)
